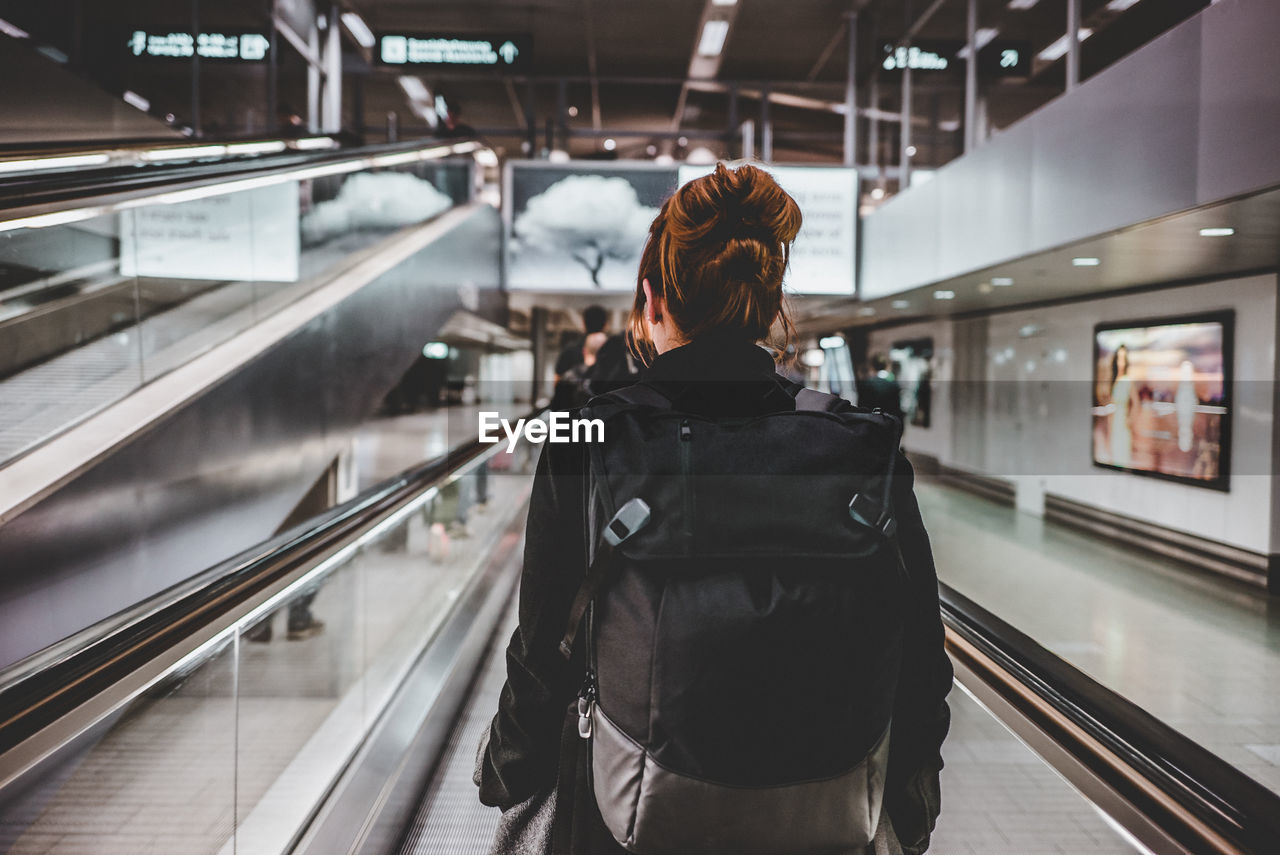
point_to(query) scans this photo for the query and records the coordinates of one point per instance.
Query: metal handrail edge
(56, 680)
(1223, 798)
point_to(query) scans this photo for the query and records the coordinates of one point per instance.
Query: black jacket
(716, 378)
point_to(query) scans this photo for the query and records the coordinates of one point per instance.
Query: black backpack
(743, 613)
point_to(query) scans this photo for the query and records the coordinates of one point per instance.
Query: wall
(1032, 372)
(1188, 120)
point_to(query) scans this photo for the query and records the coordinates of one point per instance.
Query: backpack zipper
(686, 473)
(586, 704)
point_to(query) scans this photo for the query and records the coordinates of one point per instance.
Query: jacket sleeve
(522, 753)
(921, 717)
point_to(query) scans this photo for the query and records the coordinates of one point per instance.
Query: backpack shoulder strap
(641, 394)
(822, 402)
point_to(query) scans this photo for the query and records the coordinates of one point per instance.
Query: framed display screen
(1162, 398)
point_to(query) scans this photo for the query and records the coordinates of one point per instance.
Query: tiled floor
(1200, 653)
(999, 798)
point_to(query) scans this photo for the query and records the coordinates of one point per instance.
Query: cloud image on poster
(572, 230)
(1160, 399)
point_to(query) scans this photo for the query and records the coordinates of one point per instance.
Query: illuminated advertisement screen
(582, 227)
(1161, 398)
(579, 227)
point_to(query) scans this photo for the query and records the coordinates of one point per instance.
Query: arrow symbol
(508, 52)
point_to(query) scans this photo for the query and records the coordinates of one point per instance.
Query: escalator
(176, 727)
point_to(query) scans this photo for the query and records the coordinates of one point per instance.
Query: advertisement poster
(251, 236)
(582, 227)
(573, 227)
(1160, 399)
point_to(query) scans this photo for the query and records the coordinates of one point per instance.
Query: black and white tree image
(590, 218)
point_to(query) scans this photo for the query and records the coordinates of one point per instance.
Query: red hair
(716, 255)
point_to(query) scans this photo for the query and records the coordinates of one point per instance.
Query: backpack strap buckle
(867, 511)
(629, 519)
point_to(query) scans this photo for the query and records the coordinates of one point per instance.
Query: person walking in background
(880, 389)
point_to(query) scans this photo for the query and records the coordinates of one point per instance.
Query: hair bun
(753, 204)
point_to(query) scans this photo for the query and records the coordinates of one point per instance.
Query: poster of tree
(579, 227)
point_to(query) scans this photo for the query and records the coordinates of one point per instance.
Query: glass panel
(90, 310)
(157, 777)
(301, 712)
(69, 341)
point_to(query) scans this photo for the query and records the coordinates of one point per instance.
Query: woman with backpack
(729, 636)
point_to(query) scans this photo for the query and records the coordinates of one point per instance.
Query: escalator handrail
(56, 680)
(23, 196)
(1244, 812)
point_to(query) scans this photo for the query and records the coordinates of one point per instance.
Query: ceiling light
(414, 88)
(901, 304)
(714, 34)
(877, 193)
(944, 295)
(271, 147)
(1058, 49)
(184, 153)
(558, 155)
(1217, 232)
(1086, 261)
(610, 144)
(985, 288)
(314, 143)
(866, 311)
(981, 38)
(573, 112)
(133, 99)
(12, 31)
(43, 163)
(359, 29)
(1120, 5)
(651, 150)
(1001, 281)
(682, 141)
(1022, 5)
(831, 342)
(911, 151)
(735, 2)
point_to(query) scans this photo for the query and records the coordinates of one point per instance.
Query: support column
(197, 126)
(1073, 44)
(539, 336)
(971, 79)
(851, 94)
(331, 107)
(766, 128)
(314, 81)
(748, 140)
(904, 159)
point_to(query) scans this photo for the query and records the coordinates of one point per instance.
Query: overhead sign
(921, 56)
(508, 52)
(996, 59)
(1005, 59)
(240, 46)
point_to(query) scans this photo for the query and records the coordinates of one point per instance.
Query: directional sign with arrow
(504, 52)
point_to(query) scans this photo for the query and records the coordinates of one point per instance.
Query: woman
(708, 293)
(1122, 408)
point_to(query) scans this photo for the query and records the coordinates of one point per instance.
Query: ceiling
(798, 45)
